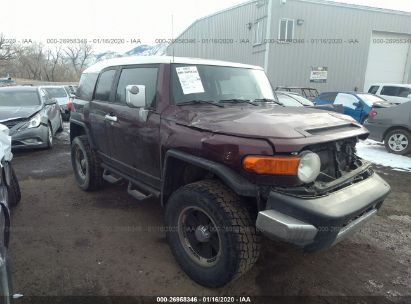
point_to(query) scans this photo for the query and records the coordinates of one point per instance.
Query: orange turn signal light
(281, 165)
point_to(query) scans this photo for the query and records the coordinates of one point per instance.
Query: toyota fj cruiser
(228, 162)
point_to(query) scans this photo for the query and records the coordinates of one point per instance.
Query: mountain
(141, 50)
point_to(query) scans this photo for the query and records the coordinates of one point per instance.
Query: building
(317, 43)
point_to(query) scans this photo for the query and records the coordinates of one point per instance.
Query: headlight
(34, 121)
(309, 167)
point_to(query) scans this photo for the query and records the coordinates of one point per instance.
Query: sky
(130, 22)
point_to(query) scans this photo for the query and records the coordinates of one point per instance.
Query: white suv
(394, 92)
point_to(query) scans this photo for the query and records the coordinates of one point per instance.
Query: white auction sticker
(190, 80)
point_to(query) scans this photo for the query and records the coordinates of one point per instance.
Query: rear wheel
(86, 165)
(398, 141)
(211, 233)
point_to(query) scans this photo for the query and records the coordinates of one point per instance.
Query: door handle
(110, 118)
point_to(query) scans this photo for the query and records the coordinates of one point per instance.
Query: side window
(86, 87)
(138, 76)
(404, 92)
(330, 97)
(373, 89)
(104, 85)
(346, 100)
(389, 91)
(258, 32)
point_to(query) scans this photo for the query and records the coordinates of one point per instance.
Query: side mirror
(136, 96)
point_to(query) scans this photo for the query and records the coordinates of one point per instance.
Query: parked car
(71, 89)
(309, 93)
(394, 92)
(209, 140)
(63, 98)
(7, 82)
(356, 105)
(392, 126)
(9, 197)
(290, 99)
(32, 116)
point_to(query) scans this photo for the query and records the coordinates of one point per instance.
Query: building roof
(96, 68)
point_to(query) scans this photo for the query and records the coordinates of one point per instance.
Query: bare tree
(52, 60)
(7, 51)
(78, 56)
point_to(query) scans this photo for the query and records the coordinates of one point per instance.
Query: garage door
(386, 61)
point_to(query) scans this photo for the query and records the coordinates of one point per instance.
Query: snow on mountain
(141, 50)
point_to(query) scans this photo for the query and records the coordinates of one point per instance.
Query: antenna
(172, 34)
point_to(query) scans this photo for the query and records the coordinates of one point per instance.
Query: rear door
(101, 112)
(134, 138)
(352, 105)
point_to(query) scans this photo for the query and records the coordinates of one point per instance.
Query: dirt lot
(67, 242)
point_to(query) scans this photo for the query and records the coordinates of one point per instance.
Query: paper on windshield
(190, 80)
(5, 144)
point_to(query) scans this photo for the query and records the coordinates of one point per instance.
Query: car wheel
(14, 193)
(60, 129)
(49, 136)
(398, 141)
(211, 233)
(86, 165)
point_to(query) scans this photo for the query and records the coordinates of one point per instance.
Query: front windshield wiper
(198, 101)
(236, 100)
(268, 100)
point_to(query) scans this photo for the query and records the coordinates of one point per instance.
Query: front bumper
(29, 138)
(321, 222)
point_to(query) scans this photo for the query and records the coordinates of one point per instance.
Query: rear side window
(373, 89)
(86, 86)
(390, 91)
(330, 97)
(138, 76)
(404, 92)
(104, 84)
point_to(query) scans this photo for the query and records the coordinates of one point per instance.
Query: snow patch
(376, 153)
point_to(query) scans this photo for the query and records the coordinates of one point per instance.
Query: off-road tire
(404, 132)
(93, 179)
(240, 244)
(14, 189)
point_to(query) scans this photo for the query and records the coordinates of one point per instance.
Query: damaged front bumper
(316, 223)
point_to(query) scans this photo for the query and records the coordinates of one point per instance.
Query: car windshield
(56, 92)
(288, 101)
(302, 100)
(19, 99)
(370, 99)
(218, 84)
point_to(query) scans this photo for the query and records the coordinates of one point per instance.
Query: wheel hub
(202, 234)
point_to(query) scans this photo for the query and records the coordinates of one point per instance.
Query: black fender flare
(86, 129)
(239, 184)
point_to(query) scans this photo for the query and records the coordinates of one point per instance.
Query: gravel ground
(68, 242)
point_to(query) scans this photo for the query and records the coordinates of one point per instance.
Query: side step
(138, 195)
(109, 177)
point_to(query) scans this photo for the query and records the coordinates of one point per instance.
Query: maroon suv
(226, 159)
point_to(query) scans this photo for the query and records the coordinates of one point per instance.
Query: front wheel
(86, 165)
(211, 233)
(49, 136)
(398, 141)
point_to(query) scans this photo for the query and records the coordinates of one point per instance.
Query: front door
(134, 138)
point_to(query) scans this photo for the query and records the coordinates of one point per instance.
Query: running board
(138, 195)
(109, 177)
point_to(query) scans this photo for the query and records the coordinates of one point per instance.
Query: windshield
(288, 101)
(370, 99)
(218, 83)
(302, 100)
(56, 92)
(19, 99)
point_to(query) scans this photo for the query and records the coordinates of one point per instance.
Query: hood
(280, 125)
(10, 113)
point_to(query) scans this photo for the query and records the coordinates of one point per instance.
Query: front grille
(11, 123)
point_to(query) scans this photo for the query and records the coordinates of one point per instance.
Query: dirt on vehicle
(68, 242)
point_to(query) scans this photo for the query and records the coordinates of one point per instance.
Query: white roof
(96, 68)
(402, 85)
